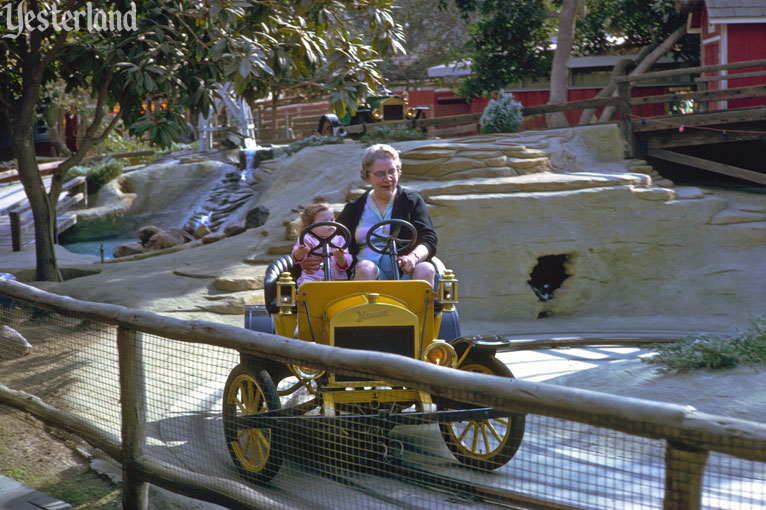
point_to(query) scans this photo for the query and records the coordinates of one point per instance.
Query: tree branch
(90, 139)
(647, 62)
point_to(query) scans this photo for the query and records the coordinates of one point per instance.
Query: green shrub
(388, 134)
(312, 141)
(502, 115)
(76, 171)
(97, 174)
(712, 351)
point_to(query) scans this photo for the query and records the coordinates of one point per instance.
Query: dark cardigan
(408, 206)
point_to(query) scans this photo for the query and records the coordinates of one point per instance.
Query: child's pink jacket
(336, 271)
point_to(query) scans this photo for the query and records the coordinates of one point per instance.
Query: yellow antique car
(402, 317)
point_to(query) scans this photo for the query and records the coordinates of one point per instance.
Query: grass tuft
(713, 351)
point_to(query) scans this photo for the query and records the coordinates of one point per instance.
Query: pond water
(94, 247)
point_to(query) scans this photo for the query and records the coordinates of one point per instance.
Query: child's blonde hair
(310, 212)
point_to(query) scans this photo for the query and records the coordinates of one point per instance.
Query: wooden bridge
(718, 116)
(17, 223)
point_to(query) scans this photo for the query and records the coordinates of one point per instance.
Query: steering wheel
(322, 249)
(340, 230)
(392, 243)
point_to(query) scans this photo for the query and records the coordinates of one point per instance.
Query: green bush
(103, 172)
(97, 174)
(712, 351)
(312, 141)
(388, 134)
(502, 115)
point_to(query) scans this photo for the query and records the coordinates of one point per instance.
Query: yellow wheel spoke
(494, 431)
(463, 434)
(259, 458)
(475, 442)
(250, 398)
(485, 437)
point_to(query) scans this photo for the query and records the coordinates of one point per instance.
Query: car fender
(484, 343)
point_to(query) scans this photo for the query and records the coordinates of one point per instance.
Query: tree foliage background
(179, 53)
(514, 39)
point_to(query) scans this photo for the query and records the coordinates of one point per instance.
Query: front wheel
(248, 391)
(484, 444)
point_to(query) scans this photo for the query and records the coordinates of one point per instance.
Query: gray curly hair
(379, 151)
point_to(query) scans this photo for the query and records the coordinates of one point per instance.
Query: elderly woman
(386, 200)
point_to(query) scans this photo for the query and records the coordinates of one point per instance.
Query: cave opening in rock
(548, 275)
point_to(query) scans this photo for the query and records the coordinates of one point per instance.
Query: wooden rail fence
(689, 435)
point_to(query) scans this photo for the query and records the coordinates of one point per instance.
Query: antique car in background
(383, 107)
(265, 401)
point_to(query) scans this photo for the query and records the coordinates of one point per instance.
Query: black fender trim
(484, 343)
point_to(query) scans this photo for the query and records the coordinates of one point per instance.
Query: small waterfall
(232, 192)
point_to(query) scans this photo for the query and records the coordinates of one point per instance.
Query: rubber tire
(325, 127)
(266, 465)
(514, 431)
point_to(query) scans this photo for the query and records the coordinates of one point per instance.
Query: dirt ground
(45, 458)
(53, 462)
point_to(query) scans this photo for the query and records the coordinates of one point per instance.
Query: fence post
(625, 115)
(135, 494)
(702, 107)
(15, 219)
(684, 469)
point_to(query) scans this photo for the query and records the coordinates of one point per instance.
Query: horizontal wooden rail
(706, 95)
(735, 76)
(657, 420)
(690, 70)
(699, 119)
(572, 105)
(712, 166)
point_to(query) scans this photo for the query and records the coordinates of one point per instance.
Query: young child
(341, 260)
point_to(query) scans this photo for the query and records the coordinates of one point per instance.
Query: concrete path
(17, 496)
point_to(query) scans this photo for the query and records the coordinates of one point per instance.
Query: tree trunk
(560, 67)
(620, 69)
(647, 62)
(52, 114)
(22, 140)
(274, 100)
(43, 213)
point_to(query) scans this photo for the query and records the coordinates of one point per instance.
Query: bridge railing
(20, 221)
(147, 391)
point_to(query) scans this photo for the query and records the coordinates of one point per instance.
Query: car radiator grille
(391, 339)
(393, 112)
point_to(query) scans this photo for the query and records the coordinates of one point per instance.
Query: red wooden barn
(587, 76)
(730, 31)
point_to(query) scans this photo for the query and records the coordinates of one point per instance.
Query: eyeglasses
(380, 174)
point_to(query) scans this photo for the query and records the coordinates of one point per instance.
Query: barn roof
(735, 10)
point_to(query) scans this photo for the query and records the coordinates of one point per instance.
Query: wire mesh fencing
(250, 434)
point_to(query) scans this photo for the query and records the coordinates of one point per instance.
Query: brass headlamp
(440, 353)
(448, 290)
(285, 293)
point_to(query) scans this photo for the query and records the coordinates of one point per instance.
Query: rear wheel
(255, 451)
(327, 125)
(484, 444)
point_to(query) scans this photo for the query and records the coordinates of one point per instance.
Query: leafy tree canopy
(635, 24)
(435, 32)
(514, 38)
(181, 49)
(510, 41)
(174, 53)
